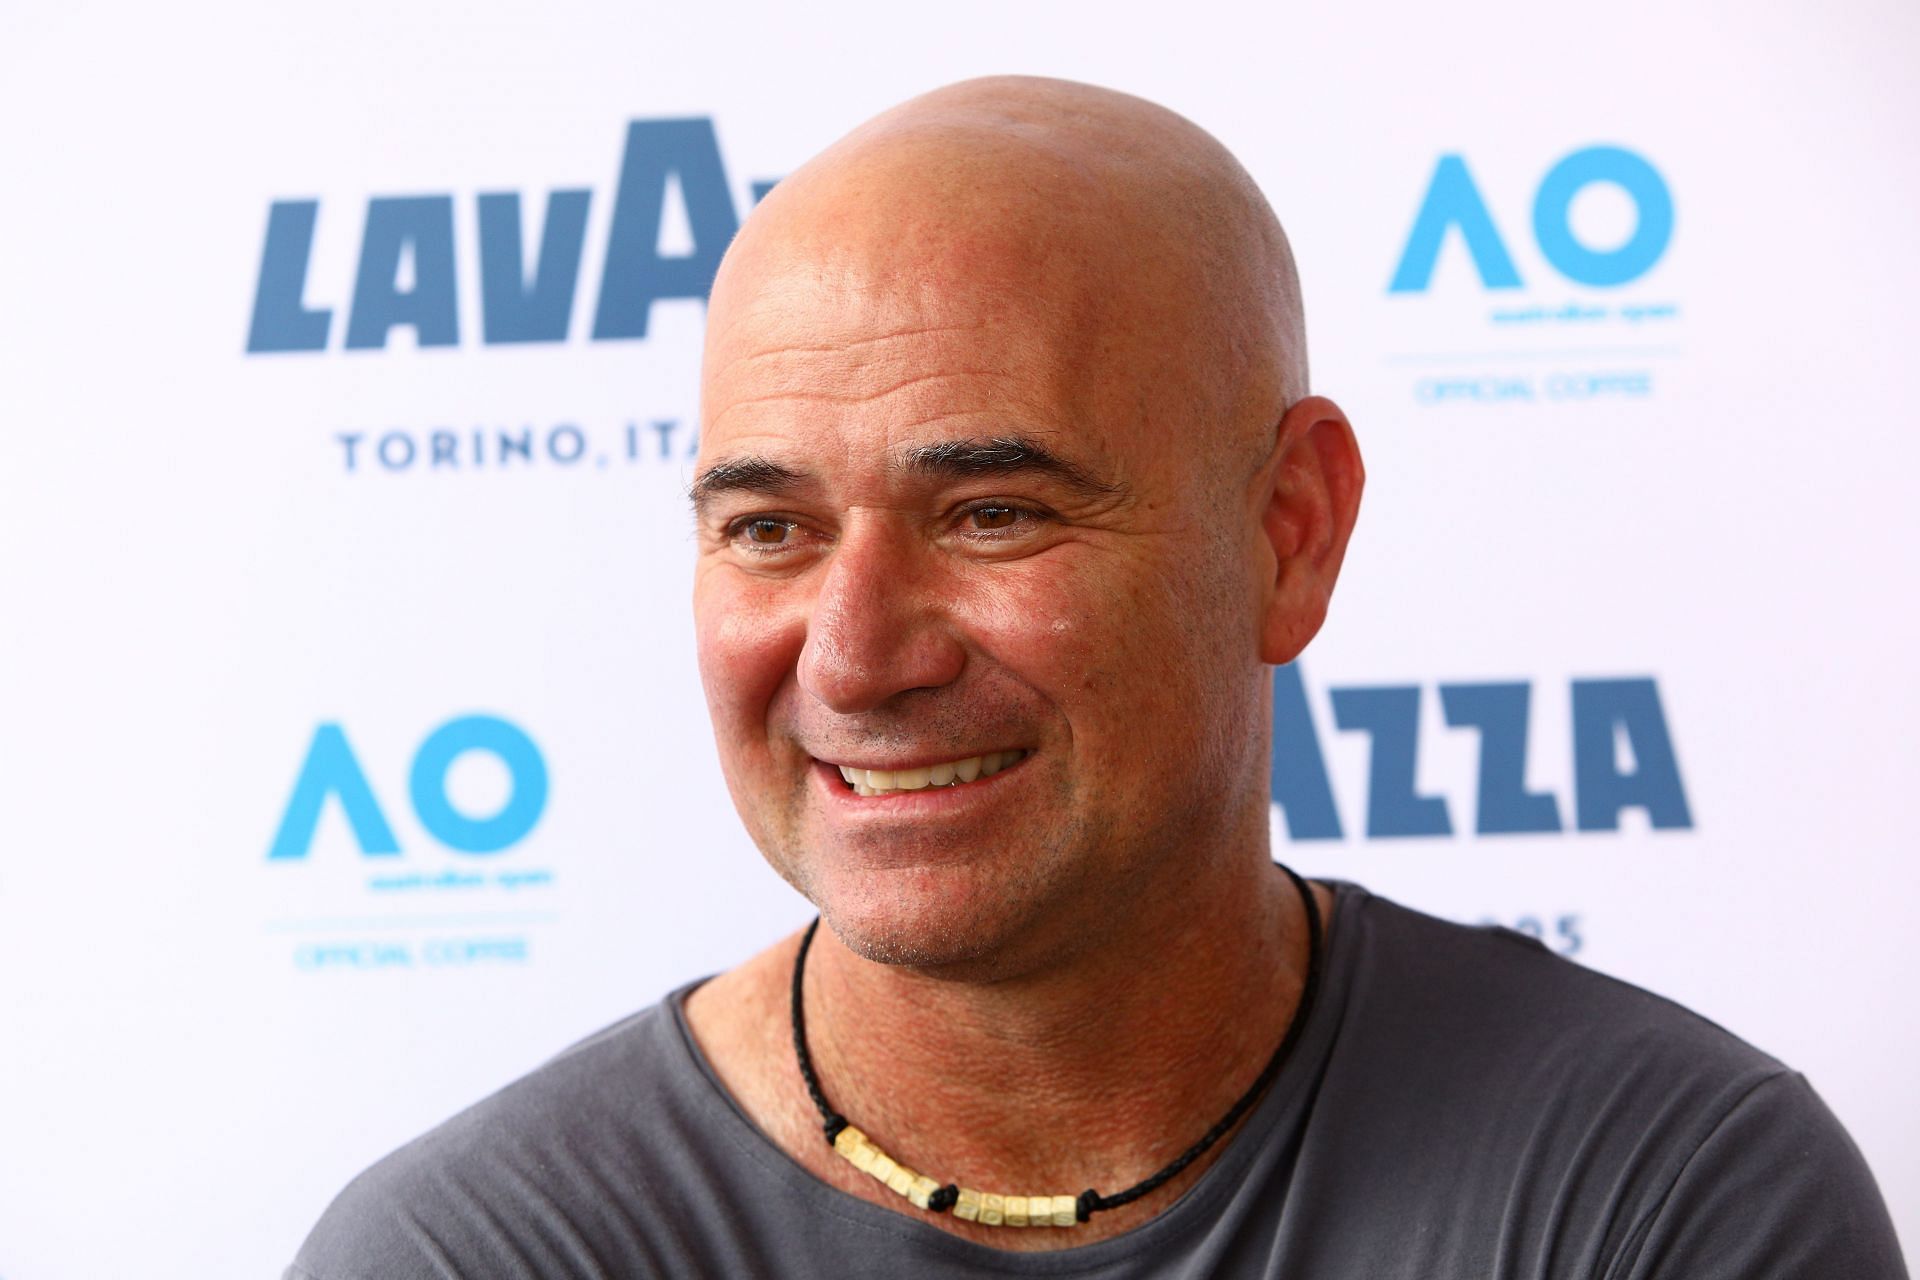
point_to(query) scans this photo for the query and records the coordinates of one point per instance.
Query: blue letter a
(397, 225)
(1603, 710)
(331, 769)
(636, 275)
(1453, 200)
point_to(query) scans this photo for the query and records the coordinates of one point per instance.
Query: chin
(923, 917)
(972, 920)
(912, 943)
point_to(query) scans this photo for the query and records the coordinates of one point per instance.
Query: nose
(878, 626)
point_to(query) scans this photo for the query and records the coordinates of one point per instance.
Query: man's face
(962, 536)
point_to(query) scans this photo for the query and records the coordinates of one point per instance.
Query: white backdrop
(1674, 460)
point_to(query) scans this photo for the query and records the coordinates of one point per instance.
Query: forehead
(818, 356)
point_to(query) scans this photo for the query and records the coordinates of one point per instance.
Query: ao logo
(331, 769)
(517, 304)
(1605, 712)
(1452, 200)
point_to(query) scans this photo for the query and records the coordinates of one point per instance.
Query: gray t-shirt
(1462, 1105)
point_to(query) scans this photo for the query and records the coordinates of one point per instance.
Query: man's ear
(1311, 496)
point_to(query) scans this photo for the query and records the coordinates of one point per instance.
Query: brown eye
(766, 533)
(994, 517)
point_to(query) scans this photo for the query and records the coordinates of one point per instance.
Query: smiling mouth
(954, 773)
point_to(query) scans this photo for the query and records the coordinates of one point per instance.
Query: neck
(1095, 1069)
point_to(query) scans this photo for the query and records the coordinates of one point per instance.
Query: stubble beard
(1077, 888)
(985, 920)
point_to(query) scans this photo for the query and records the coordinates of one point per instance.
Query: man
(1010, 493)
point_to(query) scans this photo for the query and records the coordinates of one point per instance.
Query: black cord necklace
(1037, 1211)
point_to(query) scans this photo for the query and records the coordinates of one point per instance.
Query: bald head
(1127, 233)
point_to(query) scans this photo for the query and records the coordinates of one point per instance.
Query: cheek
(747, 647)
(1101, 646)
(1033, 625)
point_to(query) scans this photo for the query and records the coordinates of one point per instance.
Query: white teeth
(874, 782)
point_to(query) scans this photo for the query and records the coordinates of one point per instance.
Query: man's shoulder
(1488, 990)
(1481, 1088)
(1492, 1052)
(585, 1117)
(613, 1072)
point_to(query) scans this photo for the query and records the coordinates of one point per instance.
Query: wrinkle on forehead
(909, 367)
(854, 344)
(864, 396)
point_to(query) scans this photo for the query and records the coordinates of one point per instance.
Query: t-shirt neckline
(1187, 1213)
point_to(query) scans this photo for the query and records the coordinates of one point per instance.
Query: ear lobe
(1310, 505)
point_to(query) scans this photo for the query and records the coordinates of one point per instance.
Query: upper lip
(922, 760)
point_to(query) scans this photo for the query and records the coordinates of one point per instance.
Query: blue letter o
(1640, 180)
(428, 783)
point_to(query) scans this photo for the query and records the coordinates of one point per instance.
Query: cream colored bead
(864, 1156)
(849, 1140)
(993, 1210)
(922, 1187)
(1066, 1211)
(967, 1207)
(882, 1166)
(900, 1181)
(1039, 1211)
(1016, 1211)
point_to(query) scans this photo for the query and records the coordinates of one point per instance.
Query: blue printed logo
(331, 770)
(1453, 201)
(1604, 711)
(1571, 337)
(406, 275)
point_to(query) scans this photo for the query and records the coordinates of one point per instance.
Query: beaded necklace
(992, 1210)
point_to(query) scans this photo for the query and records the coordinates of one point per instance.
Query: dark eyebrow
(951, 459)
(999, 456)
(753, 475)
